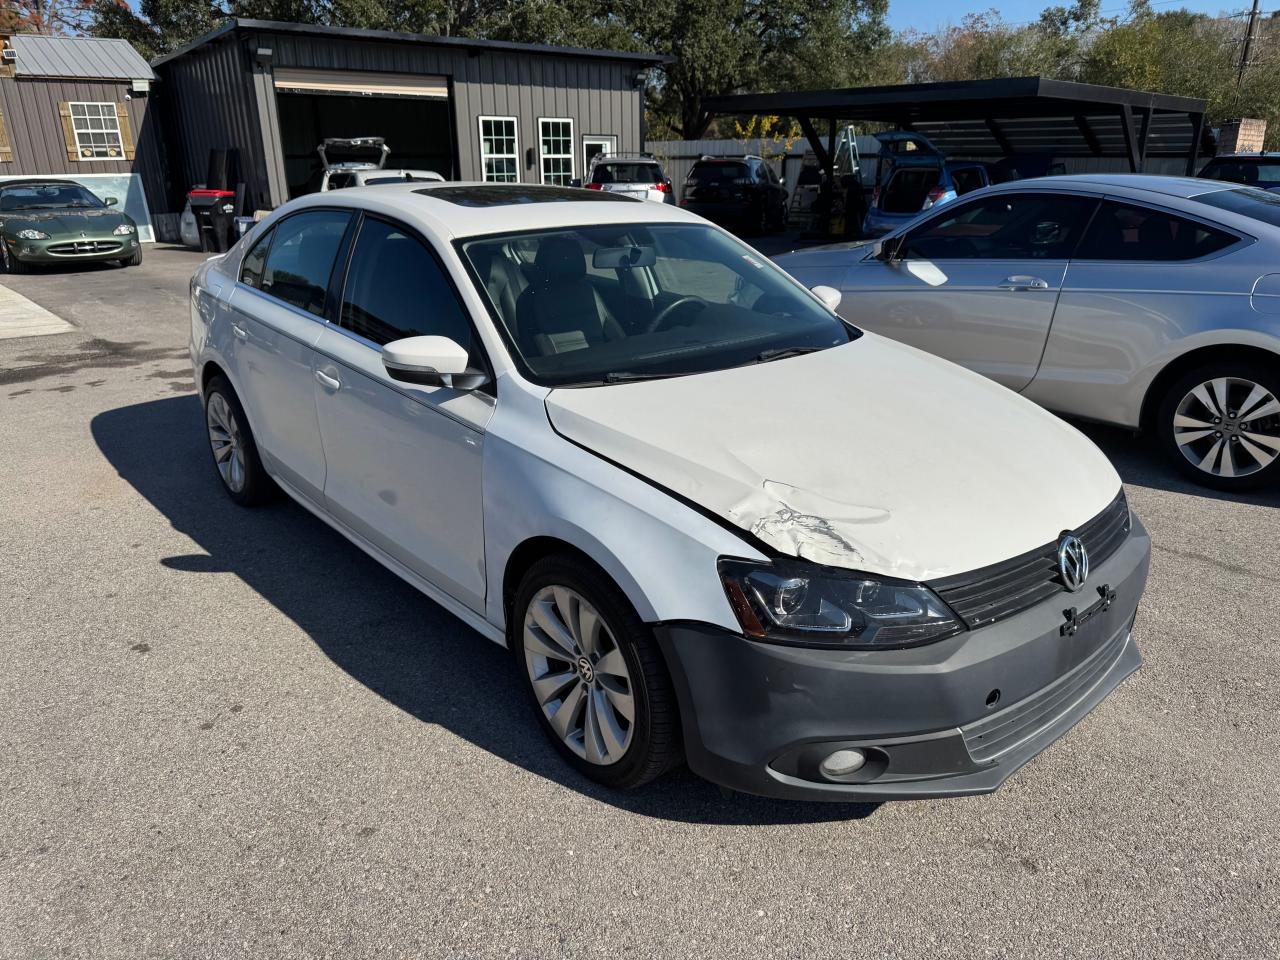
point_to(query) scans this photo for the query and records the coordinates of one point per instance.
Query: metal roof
(345, 34)
(1002, 117)
(87, 58)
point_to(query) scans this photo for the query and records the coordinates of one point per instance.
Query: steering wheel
(660, 321)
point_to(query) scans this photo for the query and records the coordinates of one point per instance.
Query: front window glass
(1008, 226)
(301, 258)
(47, 196)
(1249, 202)
(609, 303)
(1124, 231)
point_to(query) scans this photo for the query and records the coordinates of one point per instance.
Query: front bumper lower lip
(950, 719)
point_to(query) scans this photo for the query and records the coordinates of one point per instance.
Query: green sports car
(59, 221)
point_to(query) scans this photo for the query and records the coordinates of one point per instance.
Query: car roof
(1183, 187)
(473, 208)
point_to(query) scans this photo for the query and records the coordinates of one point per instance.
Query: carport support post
(826, 159)
(1197, 131)
(1130, 143)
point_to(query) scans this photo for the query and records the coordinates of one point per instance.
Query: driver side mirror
(430, 362)
(111, 201)
(889, 249)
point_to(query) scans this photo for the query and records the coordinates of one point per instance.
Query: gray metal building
(468, 109)
(78, 107)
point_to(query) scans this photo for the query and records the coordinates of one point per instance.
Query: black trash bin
(214, 211)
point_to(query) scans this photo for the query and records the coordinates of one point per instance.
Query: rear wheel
(594, 671)
(235, 454)
(1220, 424)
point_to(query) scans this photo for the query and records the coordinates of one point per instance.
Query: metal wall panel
(35, 132)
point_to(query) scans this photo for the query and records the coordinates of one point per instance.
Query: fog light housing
(842, 763)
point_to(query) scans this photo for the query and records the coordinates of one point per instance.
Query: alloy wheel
(579, 675)
(1228, 427)
(226, 441)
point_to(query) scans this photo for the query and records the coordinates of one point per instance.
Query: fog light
(842, 763)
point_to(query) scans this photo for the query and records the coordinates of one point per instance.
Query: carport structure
(993, 119)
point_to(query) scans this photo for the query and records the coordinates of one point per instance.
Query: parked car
(916, 179)
(708, 517)
(633, 175)
(60, 221)
(341, 179)
(741, 193)
(1140, 301)
(1253, 169)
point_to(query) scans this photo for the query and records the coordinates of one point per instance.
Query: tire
(9, 262)
(624, 649)
(1202, 425)
(234, 451)
(136, 259)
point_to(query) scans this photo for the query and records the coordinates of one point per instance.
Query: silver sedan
(1145, 302)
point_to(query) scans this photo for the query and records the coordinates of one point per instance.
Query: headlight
(123, 230)
(30, 234)
(795, 602)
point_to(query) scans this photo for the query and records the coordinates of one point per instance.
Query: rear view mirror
(829, 296)
(614, 258)
(429, 362)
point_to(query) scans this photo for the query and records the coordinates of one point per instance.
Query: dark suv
(740, 193)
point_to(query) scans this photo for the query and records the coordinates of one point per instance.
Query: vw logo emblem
(1073, 562)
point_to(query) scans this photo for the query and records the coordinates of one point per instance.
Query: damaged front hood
(872, 456)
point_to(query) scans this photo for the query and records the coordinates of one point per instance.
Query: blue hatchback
(919, 184)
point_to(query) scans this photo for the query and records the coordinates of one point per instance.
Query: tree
(159, 26)
(51, 16)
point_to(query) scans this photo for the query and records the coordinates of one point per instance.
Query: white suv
(711, 519)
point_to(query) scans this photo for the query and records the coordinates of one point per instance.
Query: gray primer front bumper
(758, 717)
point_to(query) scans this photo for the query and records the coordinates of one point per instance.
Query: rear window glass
(718, 172)
(626, 173)
(301, 258)
(907, 190)
(1243, 171)
(1122, 231)
(1248, 202)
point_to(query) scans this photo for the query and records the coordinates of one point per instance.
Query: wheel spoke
(1191, 436)
(592, 741)
(1201, 393)
(610, 730)
(1263, 438)
(1264, 457)
(551, 686)
(1256, 396)
(1268, 409)
(588, 631)
(1210, 458)
(1228, 465)
(563, 718)
(1220, 394)
(613, 664)
(554, 635)
(566, 605)
(1182, 420)
(624, 703)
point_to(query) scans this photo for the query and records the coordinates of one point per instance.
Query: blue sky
(928, 15)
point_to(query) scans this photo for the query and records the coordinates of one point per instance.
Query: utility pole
(1248, 43)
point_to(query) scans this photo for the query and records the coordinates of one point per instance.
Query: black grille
(993, 593)
(999, 733)
(85, 246)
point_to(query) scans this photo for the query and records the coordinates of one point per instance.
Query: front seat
(561, 310)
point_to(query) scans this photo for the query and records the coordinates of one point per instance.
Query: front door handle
(1024, 283)
(240, 332)
(331, 383)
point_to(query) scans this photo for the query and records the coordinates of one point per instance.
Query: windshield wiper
(627, 376)
(779, 353)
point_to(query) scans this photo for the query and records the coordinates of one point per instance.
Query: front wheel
(136, 259)
(9, 261)
(1220, 424)
(595, 673)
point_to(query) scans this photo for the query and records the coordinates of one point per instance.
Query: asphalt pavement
(228, 733)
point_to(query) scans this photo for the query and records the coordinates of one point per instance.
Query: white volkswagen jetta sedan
(711, 519)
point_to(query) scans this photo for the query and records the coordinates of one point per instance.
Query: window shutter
(68, 132)
(6, 151)
(126, 130)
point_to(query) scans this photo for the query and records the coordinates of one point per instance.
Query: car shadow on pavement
(382, 632)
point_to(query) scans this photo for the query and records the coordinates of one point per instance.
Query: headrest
(560, 260)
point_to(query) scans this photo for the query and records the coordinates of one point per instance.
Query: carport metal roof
(1002, 117)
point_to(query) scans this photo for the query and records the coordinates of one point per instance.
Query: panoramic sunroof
(508, 194)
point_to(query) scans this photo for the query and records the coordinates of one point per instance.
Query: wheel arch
(1189, 361)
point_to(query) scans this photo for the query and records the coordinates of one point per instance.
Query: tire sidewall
(624, 625)
(1249, 370)
(256, 483)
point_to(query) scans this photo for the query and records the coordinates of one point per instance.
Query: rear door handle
(240, 332)
(327, 381)
(1024, 283)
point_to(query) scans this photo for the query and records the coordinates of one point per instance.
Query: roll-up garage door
(351, 83)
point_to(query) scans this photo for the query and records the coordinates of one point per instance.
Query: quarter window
(396, 288)
(555, 138)
(255, 260)
(300, 262)
(97, 131)
(1123, 231)
(1008, 226)
(499, 152)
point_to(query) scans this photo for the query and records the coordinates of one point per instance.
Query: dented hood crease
(872, 456)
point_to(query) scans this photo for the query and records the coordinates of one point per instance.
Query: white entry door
(593, 145)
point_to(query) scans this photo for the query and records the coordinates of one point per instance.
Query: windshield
(602, 304)
(1247, 201)
(47, 196)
